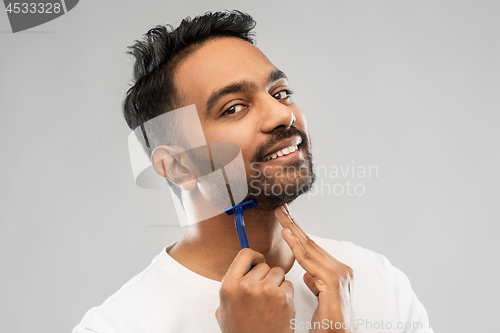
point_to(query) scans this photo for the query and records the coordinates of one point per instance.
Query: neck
(209, 247)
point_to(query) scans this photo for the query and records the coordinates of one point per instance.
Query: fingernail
(288, 230)
(283, 209)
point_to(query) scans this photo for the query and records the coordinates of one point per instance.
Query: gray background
(408, 86)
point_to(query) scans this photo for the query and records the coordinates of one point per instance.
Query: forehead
(217, 63)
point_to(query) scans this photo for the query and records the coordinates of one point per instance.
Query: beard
(270, 187)
(284, 183)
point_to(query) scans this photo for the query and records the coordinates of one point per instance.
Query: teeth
(282, 152)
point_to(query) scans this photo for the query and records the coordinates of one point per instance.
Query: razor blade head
(242, 206)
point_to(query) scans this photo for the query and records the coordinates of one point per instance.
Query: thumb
(308, 280)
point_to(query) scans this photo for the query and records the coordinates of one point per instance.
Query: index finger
(287, 221)
(242, 263)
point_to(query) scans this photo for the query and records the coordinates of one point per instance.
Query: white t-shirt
(167, 297)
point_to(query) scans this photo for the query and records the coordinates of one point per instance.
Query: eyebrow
(241, 86)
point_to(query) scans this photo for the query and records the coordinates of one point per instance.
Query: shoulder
(129, 302)
(380, 289)
(350, 253)
(369, 267)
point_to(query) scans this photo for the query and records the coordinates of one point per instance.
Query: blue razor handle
(238, 210)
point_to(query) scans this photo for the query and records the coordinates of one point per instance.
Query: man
(288, 280)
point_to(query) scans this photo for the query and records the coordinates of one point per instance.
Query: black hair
(156, 57)
(160, 51)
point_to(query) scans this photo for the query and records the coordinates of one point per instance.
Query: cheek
(216, 133)
(233, 135)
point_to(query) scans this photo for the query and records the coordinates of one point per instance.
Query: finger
(287, 287)
(242, 263)
(309, 281)
(305, 259)
(311, 247)
(286, 210)
(287, 221)
(259, 272)
(275, 276)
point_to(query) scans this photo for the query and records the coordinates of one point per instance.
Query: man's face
(241, 97)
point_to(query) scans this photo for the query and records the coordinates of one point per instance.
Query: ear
(173, 163)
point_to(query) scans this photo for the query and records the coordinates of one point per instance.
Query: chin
(269, 195)
(278, 189)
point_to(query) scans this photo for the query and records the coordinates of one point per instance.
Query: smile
(281, 152)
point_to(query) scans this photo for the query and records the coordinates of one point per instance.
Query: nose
(275, 114)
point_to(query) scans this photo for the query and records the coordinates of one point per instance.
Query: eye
(283, 94)
(234, 109)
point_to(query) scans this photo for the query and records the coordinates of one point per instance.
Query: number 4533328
(33, 7)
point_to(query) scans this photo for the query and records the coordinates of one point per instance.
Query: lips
(283, 148)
